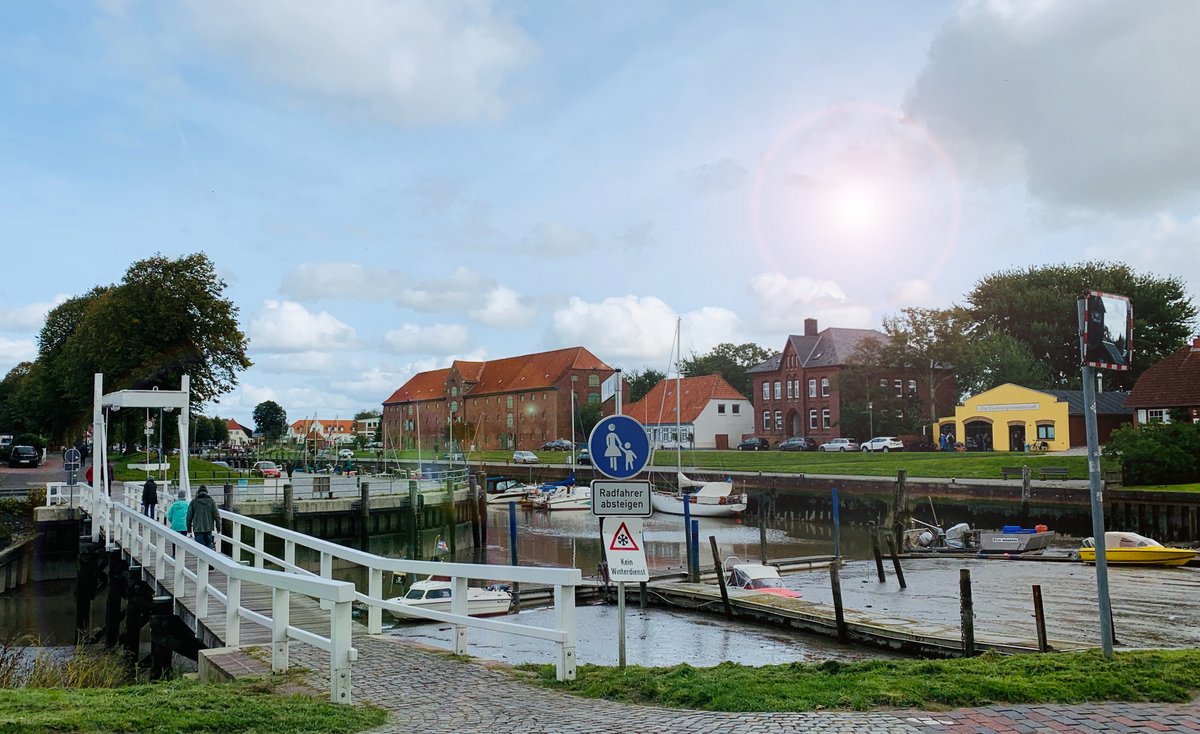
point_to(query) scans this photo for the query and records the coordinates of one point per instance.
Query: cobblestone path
(429, 693)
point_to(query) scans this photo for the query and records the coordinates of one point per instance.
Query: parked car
(24, 456)
(265, 469)
(524, 457)
(346, 454)
(839, 444)
(798, 443)
(669, 445)
(583, 456)
(754, 444)
(373, 445)
(558, 444)
(454, 456)
(884, 444)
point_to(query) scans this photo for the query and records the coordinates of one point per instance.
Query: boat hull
(673, 505)
(1015, 542)
(1146, 556)
(488, 604)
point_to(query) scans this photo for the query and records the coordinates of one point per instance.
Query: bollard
(227, 502)
(712, 542)
(835, 581)
(876, 552)
(1039, 618)
(967, 611)
(896, 562)
(289, 509)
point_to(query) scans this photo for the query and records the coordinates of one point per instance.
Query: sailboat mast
(678, 382)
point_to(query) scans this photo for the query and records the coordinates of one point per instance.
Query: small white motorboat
(756, 577)
(509, 490)
(710, 499)
(563, 498)
(436, 593)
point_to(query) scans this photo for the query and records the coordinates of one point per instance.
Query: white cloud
(376, 384)
(1094, 104)
(503, 309)
(555, 239)
(31, 317)
(286, 326)
(316, 363)
(459, 292)
(636, 237)
(340, 280)
(418, 62)
(783, 303)
(917, 292)
(15, 351)
(435, 339)
(636, 328)
(1165, 246)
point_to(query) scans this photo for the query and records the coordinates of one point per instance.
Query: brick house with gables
(798, 392)
(1169, 390)
(512, 403)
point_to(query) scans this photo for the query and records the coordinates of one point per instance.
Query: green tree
(641, 382)
(930, 344)
(270, 419)
(995, 359)
(1037, 306)
(201, 428)
(587, 416)
(728, 360)
(220, 430)
(1157, 453)
(869, 405)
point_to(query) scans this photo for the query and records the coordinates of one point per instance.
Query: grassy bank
(1164, 676)
(178, 706)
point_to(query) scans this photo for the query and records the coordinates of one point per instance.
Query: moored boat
(1014, 539)
(756, 577)
(709, 499)
(563, 498)
(437, 593)
(1131, 549)
(509, 490)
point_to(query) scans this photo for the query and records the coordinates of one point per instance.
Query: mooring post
(289, 509)
(414, 532)
(89, 583)
(512, 551)
(137, 611)
(364, 515)
(116, 595)
(896, 562)
(481, 508)
(695, 552)
(900, 505)
(641, 595)
(762, 525)
(712, 542)
(877, 553)
(227, 501)
(967, 609)
(837, 525)
(835, 581)
(161, 607)
(1039, 618)
(1026, 490)
(687, 532)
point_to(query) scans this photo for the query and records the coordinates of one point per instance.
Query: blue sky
(388, 186)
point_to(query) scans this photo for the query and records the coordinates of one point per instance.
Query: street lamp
(870, 419)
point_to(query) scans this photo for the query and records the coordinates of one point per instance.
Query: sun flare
(855, 209)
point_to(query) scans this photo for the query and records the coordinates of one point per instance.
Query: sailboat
(705, 499)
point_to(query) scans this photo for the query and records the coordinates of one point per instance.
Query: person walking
(177, 516)
(202, 517)
(149, 497)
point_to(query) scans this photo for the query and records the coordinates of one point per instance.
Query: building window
(825, 418)
(779, 420)
(453, 407)
(824, 387)
(778, 389)
(766, 420)
(508, 421)
(720, 408)
(789, 390)
(1045, 432)
(812, 387)
(593, 398)
(899, 384)
(1158, 415)
(509, 403)
(812, 420)
(574, 378)
(593, 381)
(912, 387)
(736, 408)
(453, 391)
(766, 390)
(883, 382)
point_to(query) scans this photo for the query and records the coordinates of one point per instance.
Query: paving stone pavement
(430, 693)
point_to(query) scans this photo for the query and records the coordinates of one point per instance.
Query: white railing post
(458, 605)
(180, 564)
(289, 553)
(201, 588)
(564, 605)
(233, 603)
(339, 652)
(375, 591)
(326, 573)
(259, 545)
(280, 619)
(160, 557)
(235, 541)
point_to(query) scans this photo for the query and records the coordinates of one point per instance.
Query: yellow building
(1008, 417)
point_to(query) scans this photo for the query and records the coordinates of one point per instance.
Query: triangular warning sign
(623, 540)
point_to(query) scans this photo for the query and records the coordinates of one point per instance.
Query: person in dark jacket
(149, 497)
(202, 517)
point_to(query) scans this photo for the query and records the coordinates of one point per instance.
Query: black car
(558, 444)
(24, 456)
(798, 443)
(754, 444)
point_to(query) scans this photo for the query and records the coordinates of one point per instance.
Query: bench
(1053, 472)
(1011, 472)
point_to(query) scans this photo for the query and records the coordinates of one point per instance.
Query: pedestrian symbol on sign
(623, 540)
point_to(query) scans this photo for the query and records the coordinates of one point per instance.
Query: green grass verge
(178, 706)
(1164, 676)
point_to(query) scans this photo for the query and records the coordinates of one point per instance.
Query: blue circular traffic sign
(619, 447)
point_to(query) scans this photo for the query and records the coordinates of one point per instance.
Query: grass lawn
(1166, 675)
(178, 706)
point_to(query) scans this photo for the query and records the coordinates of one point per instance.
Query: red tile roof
(658, 407)
(233, 425)
(1172, 383)
(526, 372)
(307, 425)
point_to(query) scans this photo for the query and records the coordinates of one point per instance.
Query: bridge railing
(562, 580)
(150, 542)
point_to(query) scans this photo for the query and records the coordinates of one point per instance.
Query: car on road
(524, 457)
(346, 454)
(583, 456)
(558, 444)
(798, 443)
(754, 444)
(24, 456)
(265, 469)
(884, 444)
(839, 444)
(373, 445)
(454, 456)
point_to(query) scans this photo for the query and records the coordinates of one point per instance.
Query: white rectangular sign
(611, 497)
(624, 549)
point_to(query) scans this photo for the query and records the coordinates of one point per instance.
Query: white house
(239, 435)
(712, 414)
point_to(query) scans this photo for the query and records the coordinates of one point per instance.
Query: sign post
(71, 462)
(620, 450)
(1105, 342)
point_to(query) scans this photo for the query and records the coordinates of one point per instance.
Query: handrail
(146, 540)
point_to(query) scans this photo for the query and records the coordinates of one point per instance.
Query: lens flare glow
(856, 209)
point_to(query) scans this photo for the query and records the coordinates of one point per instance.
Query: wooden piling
(839, 614)
(289, 508)
(900, 505)
(1039, 618)
(896, 562)
(762, 527)
(1026, 492)
(364, 515)
(712, 542)
(878, 555)
(967, 611)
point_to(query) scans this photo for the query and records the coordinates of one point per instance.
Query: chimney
(1196, 344)
(810, 327)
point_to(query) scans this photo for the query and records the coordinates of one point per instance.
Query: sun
(855, 209)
